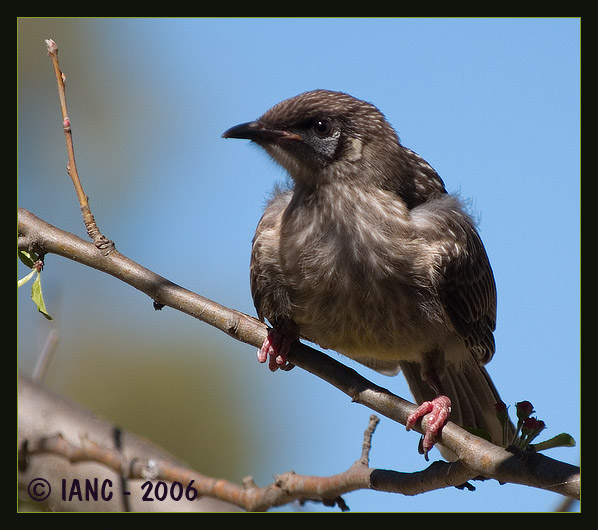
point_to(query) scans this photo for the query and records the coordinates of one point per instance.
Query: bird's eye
(322, 127)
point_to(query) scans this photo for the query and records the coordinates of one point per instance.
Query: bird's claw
(275, 350)
(434, 415)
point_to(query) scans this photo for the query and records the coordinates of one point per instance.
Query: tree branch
(80, 438)
(100, 241)
(477, 456)
(61, 440)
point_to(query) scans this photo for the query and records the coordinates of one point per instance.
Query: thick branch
(79, 439)
(60, 440)
(477, 455)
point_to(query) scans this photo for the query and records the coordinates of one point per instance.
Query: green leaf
(38, 299)
(560, 440)
(24, 280)
(28, 258)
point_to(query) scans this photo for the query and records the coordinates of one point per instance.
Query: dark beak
(259, 132)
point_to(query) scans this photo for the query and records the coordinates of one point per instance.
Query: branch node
(151, 469)
(248, 483)
(100, 241)
(281, 480)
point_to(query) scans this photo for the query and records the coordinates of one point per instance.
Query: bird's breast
(356, 280)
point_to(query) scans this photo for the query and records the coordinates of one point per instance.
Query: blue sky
(492, 104)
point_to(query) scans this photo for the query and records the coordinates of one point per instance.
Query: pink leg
(276, 347)
(436, 413)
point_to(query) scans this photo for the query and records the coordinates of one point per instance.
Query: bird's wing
(463, 280)
(265, 274)
(468, 292)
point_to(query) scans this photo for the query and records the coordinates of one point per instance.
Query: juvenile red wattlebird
(367, 254)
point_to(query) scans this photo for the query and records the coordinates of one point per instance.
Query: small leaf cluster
(528, 428)
(36, 264)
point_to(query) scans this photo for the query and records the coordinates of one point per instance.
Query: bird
(364, 252)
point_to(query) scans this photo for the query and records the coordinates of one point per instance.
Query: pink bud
(51, 46)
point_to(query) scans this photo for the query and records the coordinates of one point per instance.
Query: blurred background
(492, 104)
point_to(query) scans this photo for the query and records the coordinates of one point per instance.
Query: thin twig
(367, 440)
(99, 240)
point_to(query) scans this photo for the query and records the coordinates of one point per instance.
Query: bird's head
(322, 135)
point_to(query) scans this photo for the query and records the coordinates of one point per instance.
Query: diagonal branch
(475, 454)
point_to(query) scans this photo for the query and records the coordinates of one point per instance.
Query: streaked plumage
(368, 255)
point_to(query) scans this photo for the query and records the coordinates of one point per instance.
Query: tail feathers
(472, 393)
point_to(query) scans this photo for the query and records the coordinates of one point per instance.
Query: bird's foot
(434, 415)
(275, 350)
